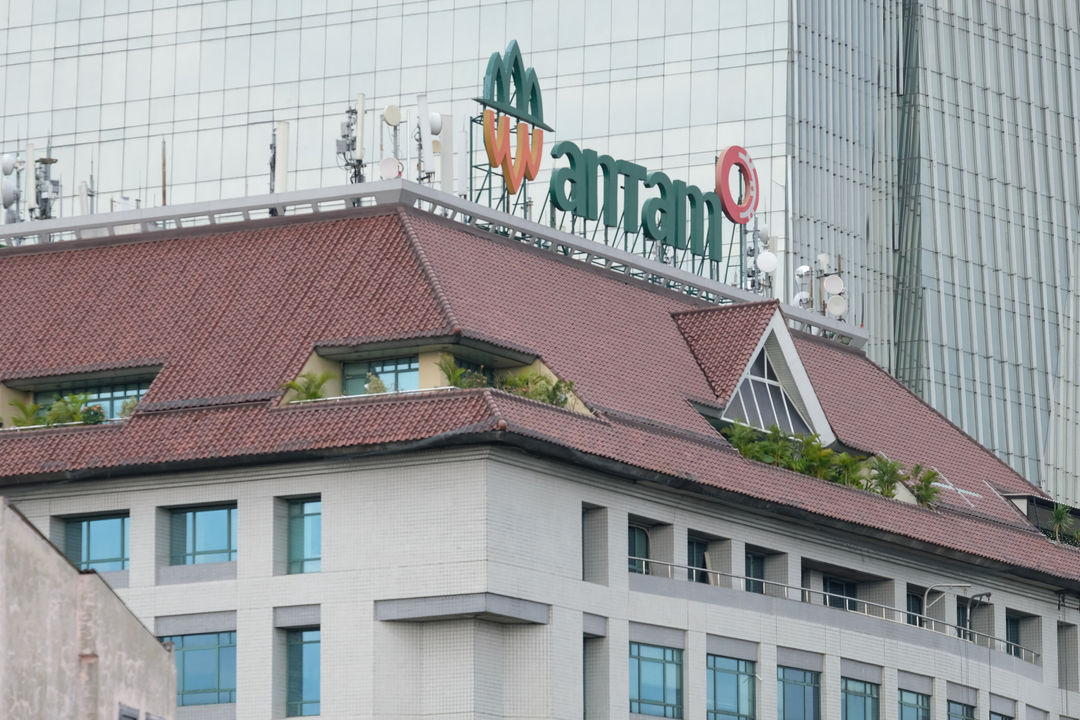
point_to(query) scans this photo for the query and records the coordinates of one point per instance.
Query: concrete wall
(464, 584)
(68, 645)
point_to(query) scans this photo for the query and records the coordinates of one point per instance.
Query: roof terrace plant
(309, 385)
(530, 384)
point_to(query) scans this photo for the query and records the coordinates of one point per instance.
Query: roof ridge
(441, 299)
(496, 414)
(728, 306)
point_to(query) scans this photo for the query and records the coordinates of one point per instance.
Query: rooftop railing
(231, 213)
(772, 588)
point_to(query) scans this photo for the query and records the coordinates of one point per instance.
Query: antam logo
(737, 157)
(527, 108)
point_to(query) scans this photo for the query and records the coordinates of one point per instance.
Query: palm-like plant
(846, 470)
(29, 414)
(309, 386)
(776, 448)
(535, 386)
(922, 485)
(1061, 520)
(814, 458)
(460, 377)
(884, 475)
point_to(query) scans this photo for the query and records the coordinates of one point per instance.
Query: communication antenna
(444, 146)
(427, 125)
(801, 299)
(41, 190)
(391, 116)
(764, 262)
(9, 187)
(349, 148)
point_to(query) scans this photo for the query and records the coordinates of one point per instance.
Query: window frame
(757, 585)
(383, 368)
(840, 599)
(225, 647)
(295, 642)
(640, 567)
(855, 690)
(758, 385)
(959, 711)
(190, 538)
(111, 396)
(916, 702)
(697, 572)
(671, 658)
(742, 669)
(81, 526)
(811, 679)
(299, 563)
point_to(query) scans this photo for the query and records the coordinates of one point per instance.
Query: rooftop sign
(512, 92)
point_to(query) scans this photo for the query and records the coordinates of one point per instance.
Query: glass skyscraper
(928, 150)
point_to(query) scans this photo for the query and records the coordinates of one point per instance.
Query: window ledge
(206, 572)
(67, 426)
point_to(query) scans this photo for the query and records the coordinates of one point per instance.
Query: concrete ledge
(800, 659)
(222, 711)
(485, 606)
(915, 683)
(860, 671)
(731, 647)
(593, 625)
(657, 635)
(209, 572)
(195, 623)
(294, 616)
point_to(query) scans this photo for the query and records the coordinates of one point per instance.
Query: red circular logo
(736, 156)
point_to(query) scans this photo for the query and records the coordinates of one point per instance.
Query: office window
(999, 716)
(305, 536)
(914, 608)
(960, 711)
(98, 543)
(205, 668)
(761, 401)
(302, 697)
(730, 688)
(695, 558)
(111, 398)
(798, 695)
(859, 700)
(840, 593)
(655, 680)
(755, 568)
(1012, 636)
(914, 706)
(395, 375)
(203, 535)
(638, 548)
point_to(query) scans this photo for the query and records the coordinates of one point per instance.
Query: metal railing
(231, 213)
(771, 588)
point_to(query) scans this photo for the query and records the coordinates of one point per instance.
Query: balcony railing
(772, 588)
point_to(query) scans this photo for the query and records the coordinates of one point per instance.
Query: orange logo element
(512, 92)
(525, 163)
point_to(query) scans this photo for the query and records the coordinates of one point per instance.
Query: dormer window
(762, 402)
(111, 397)
(389, 375)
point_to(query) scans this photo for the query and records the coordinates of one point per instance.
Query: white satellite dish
(9, 192)
(392, 115)
(837, 305)
(435, 123)
(833, 284)
(767, 262)
(801, 299)
(7, 164)
(389, 168)
(763, 234)
(801, 272)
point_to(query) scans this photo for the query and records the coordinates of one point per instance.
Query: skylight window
(762, 402)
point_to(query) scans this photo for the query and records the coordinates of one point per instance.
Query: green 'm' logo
(506, 70)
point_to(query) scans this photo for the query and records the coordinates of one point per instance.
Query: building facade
(70, 646)
(412, 544)
(918, 146)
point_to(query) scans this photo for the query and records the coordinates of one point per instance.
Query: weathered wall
(69, 647)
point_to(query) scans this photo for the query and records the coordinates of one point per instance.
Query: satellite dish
(9, 192)
(833, 284)
(802, 271)
(7, 164)
(391, 115)
(763, 234)
(823, 262)
(389, 169)
(435, 122)
(837, 305)
(767, 262)
(801, 299)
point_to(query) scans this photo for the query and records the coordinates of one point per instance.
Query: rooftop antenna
(350, 146)
(427, 125)
(41, 190)
(391, 167)
(9, 187)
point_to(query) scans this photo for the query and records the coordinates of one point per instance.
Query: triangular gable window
(762, 402)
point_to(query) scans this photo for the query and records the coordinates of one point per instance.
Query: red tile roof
(230, 316)
(723, 339)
